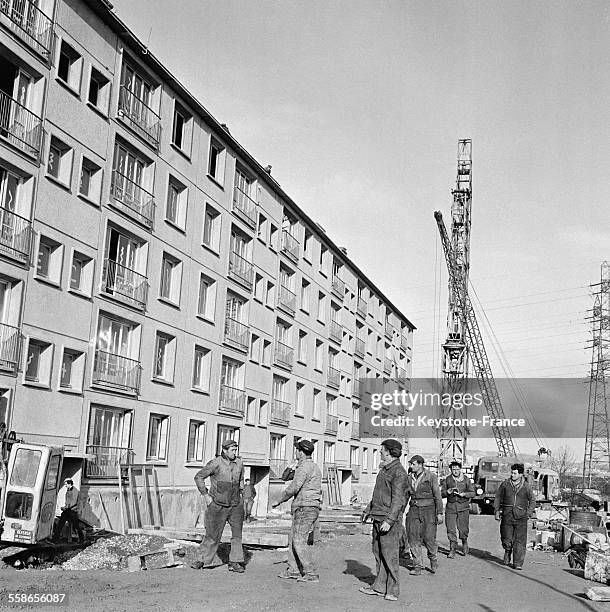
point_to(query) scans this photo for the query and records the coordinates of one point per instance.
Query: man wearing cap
(386, 508)
(459, 490)
(425, 513)
(223, 504)
(306, 489)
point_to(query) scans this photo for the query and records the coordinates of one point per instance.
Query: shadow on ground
(359, 570)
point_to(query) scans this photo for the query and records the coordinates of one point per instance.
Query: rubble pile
(111, 553)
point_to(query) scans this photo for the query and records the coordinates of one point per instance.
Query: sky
(358, 106)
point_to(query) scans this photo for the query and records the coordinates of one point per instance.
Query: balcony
(124, 284)
(389, 330)
(232, 401)
(359, 347)
(287, 300)
(241, 270)
(107, 460)
(280, 412)
(401, 374)
(338, 287)
(336, 332)
(355, 431)
(116, 371)
(334, 377)
(20, 126)
(277, 467)
(361, 307)
(28, 22)
(355, 471)
(331, 425)
(356, 388)
(237, 334)
(387, 366)
(284, 355)
(290, 246)
(15, 236)
(10, 347)
(404, 343)
(139, 116)
(244, 206)
(132, 199)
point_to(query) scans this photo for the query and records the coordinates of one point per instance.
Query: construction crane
(464, 340)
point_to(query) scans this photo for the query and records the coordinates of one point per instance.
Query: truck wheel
(475, 509)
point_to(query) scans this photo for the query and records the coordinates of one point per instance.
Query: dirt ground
(478, 582)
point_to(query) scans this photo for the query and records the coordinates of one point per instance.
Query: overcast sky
(358, 106)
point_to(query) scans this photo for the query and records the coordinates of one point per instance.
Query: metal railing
(387, 365)
(359, 347)
(15, 235)
(277, 467)
(136, 201)
(355, 430)
(362, 307)
(280, 412)
(336, 331)
(244, 206)
(29, 23)
(284, 354)
(10, 347)
(389, 329)
(237, 333)
(140, 116)
(338, 286)
(333, 377)
(232, 400)
(290, 245)
(107, 459)
(404, 343)
(287, 299)
(356, 392)
(116, 371)
(240, 269)
(401, 373)
(20, 126)
(331, 425)
(126, 284)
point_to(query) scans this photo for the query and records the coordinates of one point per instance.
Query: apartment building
(159, 291)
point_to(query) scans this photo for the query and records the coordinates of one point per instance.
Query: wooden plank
(279, 540)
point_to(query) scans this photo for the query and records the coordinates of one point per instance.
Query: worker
(69, 513)
(425, 513)
(515, 502)
(386, 508)
(459, 490)
(249, 494)
(306, 490)
(223, 504)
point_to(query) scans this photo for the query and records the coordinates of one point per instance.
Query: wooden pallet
(157, 559)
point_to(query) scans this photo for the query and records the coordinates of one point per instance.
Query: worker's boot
(452, 547)
(507, 555)
(433, 566)
(465, 547)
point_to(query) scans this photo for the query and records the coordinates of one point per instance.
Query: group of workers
(395, 490)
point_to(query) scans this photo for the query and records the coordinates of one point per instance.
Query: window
(299, 408)
(255, 348)
(302, 347)
(196, 441)
(171, 272)
(90, 185)
(81, 273)
(216, 165)
(72, 370)
(69, 66)
(226, 432)
(375, 459)
(323, 259)
(99, 91)
(262, 413)
(273, 237)
(305, 292)
(329, 452)
(251, 411)
(354, 456)
(211, 228)
(261, 228)
(319, 355)
(317, 405)
(202, 366)
(49, 261)
(307, 244)
(266, 353)
(206, 303)
(165, 353)
(259, 287)
(156, 448)
(109, 430)
(175, 210)
(59, 164)
(270, 295)
(38, 362)
(182, 128)
(321, 307)
(365, 459)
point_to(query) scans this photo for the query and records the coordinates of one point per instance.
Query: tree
(562, 461)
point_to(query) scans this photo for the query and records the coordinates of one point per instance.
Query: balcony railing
(356, 388)
(331, 425)
(355, 431)
(107, 459)
(124, 284)
(241, 270)
(404, 343)
(237, 334)
(284, 354)
(244, 206)
(280, 412)
(359, 347)
(401, 373)
(338, 287)
(133, 199)
(232, 400)
(287, 299)
(116, 371)
(389, 329)
(29, 23)
(140, 117)
(15, 236)
(387, 365)
(277, 467)
(334, 377)
(20, 126)
(10, 347)
(290, 245)
(355, 471)
(361, 307)
(336, 331)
